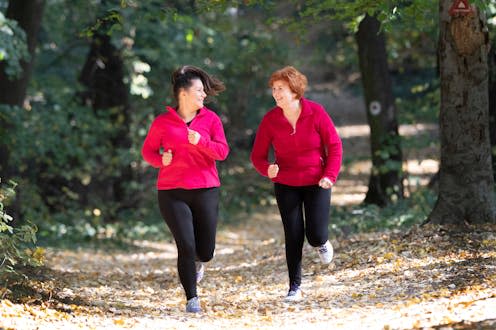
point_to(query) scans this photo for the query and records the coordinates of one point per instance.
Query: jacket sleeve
(333, 146)
(261, 146)
(150, 151)
(215, 145)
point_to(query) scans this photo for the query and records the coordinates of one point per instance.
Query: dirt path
(377, 281)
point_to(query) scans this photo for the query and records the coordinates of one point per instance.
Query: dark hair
(182, 77)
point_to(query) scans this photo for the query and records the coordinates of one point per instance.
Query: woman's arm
(261, 146)
(150, 150)
(333, 146)
(215, 145)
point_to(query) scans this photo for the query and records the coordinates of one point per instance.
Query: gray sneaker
(193, 305)
(200, 271)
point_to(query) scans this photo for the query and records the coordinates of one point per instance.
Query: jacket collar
(173, 111)
(306, 108)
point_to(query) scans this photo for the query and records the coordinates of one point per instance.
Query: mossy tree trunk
(385, 183)
(466, 184)
(492, 102)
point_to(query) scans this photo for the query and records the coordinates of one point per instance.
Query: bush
(14, 242)
(369, 218)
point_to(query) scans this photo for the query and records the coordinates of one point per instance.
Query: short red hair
(296, 80)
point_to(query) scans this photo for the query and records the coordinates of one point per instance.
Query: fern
(14, 240)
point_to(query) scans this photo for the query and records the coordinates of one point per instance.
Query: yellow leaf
(39, 255)
(389, 256)
(119, 322)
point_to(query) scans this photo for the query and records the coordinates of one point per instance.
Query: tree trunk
(385, 183)
(466, 184)
(28, 14)
(103, 75)
(492, 103)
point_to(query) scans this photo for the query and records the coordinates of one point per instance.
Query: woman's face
(282, 94)
(193, 96)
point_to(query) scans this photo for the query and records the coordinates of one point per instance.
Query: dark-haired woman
(184, 143)
(308, 155)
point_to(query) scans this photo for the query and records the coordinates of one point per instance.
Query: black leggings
(191, 216)
(316, 204)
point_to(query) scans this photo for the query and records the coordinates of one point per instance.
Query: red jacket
(313, 151)
(192, 166)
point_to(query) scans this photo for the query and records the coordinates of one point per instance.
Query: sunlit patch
(422, 166)
(352, 184)
(350, 131)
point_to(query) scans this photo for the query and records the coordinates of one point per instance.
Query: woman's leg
(205, 210)
(317, 203)
(289, 201)
(178, 217)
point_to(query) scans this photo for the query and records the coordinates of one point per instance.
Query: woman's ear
(181, 93)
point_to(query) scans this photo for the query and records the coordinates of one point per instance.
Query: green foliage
(71, 161)
(108, 24)
(423, 106)
(13, 48)
(14, 240)
(88, 230)
(368, 218)
(422, 12)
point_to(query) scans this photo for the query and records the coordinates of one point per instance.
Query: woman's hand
(167, 158)
(193, 136)
(272, 171)
(325, 183)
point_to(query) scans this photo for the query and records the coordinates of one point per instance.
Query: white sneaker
(200, 271)
(294, 294)
(326, 252)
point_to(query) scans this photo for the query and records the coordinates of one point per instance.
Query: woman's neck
(187, 114)
(293, 109)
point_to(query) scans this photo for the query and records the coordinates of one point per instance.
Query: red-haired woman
(184, 143)
(308, 155)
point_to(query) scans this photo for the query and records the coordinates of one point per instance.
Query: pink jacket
(192, 166)
(311, 152)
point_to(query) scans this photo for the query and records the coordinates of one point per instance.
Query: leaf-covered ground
(423, 278)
